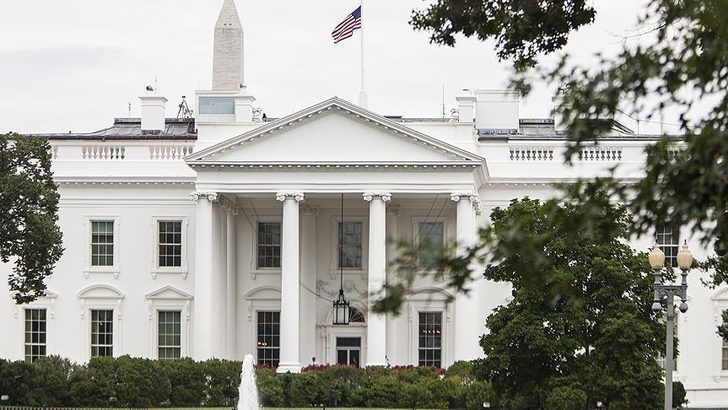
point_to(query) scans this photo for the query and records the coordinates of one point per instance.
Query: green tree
(29, 234)
(596, 339)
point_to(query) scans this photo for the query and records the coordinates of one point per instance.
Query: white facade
(220, 182)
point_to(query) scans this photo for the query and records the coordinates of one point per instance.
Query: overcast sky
(76, 64)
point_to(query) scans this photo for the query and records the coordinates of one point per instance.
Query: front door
(348, 350)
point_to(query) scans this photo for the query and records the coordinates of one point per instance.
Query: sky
(74, 65)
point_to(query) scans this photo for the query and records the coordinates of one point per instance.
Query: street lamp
(669, 291)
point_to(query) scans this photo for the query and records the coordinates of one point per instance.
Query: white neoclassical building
(222, 235)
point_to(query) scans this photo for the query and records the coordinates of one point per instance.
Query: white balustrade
(531, 153)
(103, 152)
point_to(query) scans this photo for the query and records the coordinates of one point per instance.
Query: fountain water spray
(248, 391)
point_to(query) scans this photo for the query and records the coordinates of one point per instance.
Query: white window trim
(254, 269)
(155, 268)
(101, 297)
(46, 302)
(331, 332)
(720, 303)
(417, 220)
(431, 300)
(262, 299)
(334, 264)
(169, 298)
(88, 268)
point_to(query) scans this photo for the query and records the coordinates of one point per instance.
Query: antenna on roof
(184, 109)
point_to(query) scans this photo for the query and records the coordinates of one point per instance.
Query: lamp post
(669, 291)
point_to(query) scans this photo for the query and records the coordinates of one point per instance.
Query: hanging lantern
(341, 310)
(341, 305)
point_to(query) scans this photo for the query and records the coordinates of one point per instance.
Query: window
(724, 358)
(217, 105)
(350, 239)
(269, 244)
(170, 243)
(430, 335)
(269, 329)
(102, 333)
(431, 240)
(35, 334)
(169, 335)
(348, 351)
(102, 243)
(355, 315)
(668, 237)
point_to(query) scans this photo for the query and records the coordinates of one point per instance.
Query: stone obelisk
(227, 60)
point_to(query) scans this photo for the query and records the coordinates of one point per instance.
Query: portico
(381, 167)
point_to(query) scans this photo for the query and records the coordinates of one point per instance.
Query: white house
(222, 235)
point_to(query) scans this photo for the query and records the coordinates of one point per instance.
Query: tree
(29, 234)
(596, 339)
(679, 63)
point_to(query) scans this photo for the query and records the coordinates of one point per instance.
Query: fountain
(248, 391)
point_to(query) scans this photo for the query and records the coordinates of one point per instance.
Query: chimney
(466, 106)
(497, 109)
(153, 112)
(558, 99)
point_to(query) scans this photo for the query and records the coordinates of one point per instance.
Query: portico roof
(423, 149)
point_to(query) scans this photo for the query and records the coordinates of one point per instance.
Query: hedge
(132, 382)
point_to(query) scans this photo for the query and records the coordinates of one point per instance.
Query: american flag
(346, 28)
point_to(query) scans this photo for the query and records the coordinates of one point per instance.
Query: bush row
(132, 382)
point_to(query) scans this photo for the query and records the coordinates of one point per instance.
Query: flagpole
(363, 98)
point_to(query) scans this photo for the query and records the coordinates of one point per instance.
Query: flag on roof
(346, 28)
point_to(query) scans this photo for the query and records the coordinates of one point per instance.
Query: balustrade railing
(531, 153)
(103, 152)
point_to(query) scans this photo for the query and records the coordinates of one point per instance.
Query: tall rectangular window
(431, 239)
(35, 334)
(668, 237)
(102, 243)
(102, 333)
(350, 239)
(430, 339)
(169, 335)
(269, 340)
(170, 243)
(269, 244)
(724, 356)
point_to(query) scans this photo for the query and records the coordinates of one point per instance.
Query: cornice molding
(384, 196)
(472, 196)
(297, 196)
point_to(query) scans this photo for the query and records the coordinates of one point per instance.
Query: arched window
(355, 315)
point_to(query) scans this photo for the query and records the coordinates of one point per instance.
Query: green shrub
(566, 398)
(51, 384)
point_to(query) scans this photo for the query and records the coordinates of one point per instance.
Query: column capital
(472, 196)
(384, 196)
(229, 205)
(210, 196)
(282, 196)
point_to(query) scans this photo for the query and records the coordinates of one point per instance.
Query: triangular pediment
(168, 293)
(333, 132)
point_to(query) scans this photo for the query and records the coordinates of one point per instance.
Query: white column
(309, 243)
(290, 360)
(231, 282)
(468, 320)
(203, 336)
(376, 323)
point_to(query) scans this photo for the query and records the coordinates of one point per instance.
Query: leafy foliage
(523, 29)
(29, 235)
(131, 382)
(584, 331)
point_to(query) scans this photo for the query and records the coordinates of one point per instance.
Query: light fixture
(657, 257)
(684, 257)
(341, 305)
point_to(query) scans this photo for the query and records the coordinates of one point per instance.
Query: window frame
(442, 330)
(115, 267)
(254, 269)
(46, 302)
(431, 299)
(169, 298)
(660, 229)
(334, 240)
(256, 335)
(112, 333)
(46, 321)
(159, 348)
(102, 297)
(446, 234)
(183, 269)
(257, 245)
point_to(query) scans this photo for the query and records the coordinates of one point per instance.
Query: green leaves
(522, 29)
(29, 235)
(579, 328)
